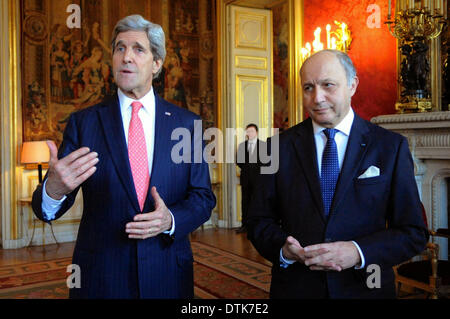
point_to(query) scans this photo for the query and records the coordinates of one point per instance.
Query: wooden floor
(225, 239)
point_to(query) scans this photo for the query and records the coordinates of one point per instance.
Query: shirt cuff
(283, 261)
(49, 205)
(172, 230)
(361, 255)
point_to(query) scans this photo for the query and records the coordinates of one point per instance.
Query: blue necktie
(329, 170)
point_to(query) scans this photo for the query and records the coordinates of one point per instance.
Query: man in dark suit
(343, 207)
(139, 206)
(249, 162)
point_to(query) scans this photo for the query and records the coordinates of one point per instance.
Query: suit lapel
(111, 120)
(358, 143)
(305, 147)
(161, 151)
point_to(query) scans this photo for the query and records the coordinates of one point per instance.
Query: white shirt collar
(344, 126)
(148, 101)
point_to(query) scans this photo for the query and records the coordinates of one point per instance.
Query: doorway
(258, 62)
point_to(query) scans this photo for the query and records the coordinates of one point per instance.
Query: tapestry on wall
(66, 69)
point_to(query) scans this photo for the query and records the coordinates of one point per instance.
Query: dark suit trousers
(247, 191)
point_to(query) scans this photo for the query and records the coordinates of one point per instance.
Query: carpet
(39, 280)
(218, 274)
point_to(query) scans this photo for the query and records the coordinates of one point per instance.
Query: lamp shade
(35, 152)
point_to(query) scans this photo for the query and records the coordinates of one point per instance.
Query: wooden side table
(27, 202)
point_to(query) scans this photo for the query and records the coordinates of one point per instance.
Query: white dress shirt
(146, 114)
(341, 139)
(251, 145)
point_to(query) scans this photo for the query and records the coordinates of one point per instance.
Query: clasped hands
(335, 256)
(66, 174)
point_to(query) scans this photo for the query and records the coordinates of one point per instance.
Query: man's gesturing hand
(68, 173)
(153, 223)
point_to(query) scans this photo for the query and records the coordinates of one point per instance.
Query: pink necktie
(137, 152)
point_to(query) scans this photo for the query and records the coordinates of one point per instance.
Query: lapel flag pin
(168, 113)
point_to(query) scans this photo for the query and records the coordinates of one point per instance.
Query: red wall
(373, 51)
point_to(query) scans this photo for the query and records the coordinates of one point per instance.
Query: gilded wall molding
(10, 125)
(295, 45)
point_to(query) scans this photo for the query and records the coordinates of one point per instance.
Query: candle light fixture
(339, 39)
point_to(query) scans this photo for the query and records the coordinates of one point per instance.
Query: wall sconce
(340, 39)
(35, 153)
(414, 24)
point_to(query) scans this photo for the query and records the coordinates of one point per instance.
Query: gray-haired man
(344, 197)
(139, 206)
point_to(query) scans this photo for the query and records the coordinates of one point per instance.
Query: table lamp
(36, 152)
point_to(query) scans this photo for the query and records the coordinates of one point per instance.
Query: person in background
(250, 167)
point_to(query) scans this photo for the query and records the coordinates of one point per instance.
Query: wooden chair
(430, 275)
